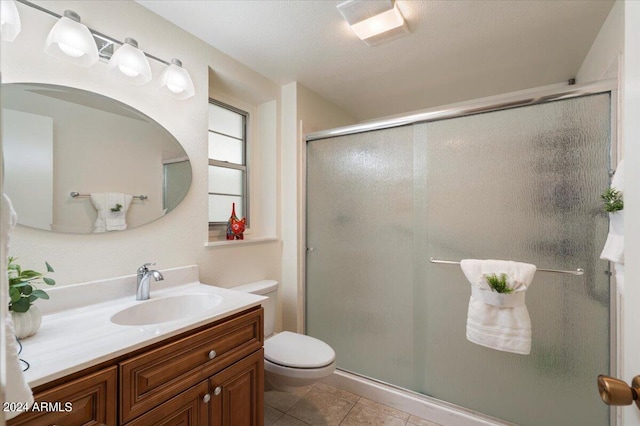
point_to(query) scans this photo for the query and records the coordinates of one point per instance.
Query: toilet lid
(298, 351)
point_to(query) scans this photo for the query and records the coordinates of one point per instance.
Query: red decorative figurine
(235, 227)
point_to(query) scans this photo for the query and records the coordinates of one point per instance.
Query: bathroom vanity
(204, 369)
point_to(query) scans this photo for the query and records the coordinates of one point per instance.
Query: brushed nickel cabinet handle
(217, 391)
(206, 398)
(212, 354)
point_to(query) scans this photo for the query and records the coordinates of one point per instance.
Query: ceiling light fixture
(175, 81)
(74, 41)
(131, 63)
(10, 25)
(374, 21)
(71, 40)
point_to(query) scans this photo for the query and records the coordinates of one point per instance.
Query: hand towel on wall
(614, 246)
(107, 219)
(498, 320)
(16, 389)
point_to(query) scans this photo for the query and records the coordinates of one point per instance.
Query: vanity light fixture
(74, 41)
(176, 82)
(70, 39)
(10, 25)
(131, 62)
(374, 21)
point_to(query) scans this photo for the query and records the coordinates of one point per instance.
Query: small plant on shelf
(498, 284)
(22, 289)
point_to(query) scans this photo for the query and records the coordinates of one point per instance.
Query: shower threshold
(415, 403)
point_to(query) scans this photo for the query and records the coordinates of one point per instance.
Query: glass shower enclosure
(518, 184)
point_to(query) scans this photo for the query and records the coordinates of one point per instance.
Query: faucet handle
(144, 268)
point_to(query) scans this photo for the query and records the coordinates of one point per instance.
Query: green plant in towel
(21, 286)
(612, 199)
(498, 284)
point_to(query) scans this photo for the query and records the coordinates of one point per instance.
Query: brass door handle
(616, 392)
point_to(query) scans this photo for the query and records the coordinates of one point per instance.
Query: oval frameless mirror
(124, 169)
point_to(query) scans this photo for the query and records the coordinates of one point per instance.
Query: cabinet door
(238, 393)
(87, 401)
(190, 408)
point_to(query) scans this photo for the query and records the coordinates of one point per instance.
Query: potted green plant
(23, 292)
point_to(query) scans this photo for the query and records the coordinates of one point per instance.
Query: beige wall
(178, 238)
(602, 60)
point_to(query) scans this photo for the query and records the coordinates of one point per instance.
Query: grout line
(348, 412)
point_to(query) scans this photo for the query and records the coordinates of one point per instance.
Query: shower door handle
(616, 392)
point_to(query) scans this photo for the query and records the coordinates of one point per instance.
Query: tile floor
(324, 405)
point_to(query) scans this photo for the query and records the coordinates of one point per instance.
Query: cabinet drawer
(151, 378)
(90, 400)
(187, 409)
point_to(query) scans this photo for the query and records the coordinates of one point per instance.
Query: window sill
(248, 241)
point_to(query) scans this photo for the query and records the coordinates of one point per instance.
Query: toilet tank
(268, 288)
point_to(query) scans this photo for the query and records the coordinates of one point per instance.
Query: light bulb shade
(10, 20)
(176, 82)
(374, 21)
(382, 27)
(131, 63)
(71, 40)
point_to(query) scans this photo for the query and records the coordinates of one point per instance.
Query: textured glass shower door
(520, 184)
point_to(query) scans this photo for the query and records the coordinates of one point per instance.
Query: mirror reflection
(80, 162)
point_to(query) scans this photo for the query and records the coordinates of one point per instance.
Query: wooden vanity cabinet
(213, 375)
(88, 401)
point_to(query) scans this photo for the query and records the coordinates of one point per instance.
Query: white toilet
(291, 360)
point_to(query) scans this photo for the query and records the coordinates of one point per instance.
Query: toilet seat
(293, 350)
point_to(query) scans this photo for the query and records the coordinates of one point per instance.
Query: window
(227, 163)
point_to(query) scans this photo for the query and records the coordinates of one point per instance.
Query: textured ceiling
(457, 49)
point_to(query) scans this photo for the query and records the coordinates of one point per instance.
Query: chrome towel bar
(578, 271)
(77, 194)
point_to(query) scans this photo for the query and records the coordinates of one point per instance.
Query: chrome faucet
(144, 273)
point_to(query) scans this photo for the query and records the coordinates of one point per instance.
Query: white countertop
(78, 333)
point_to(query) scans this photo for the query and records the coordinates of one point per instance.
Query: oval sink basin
(165, 309)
